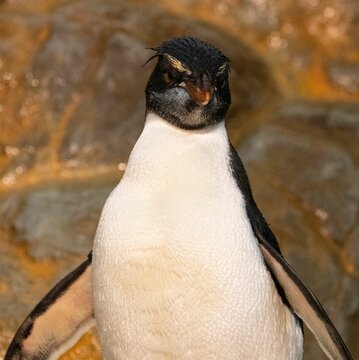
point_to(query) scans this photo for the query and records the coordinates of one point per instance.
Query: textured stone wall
(72, 106)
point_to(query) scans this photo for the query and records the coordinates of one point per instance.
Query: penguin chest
(177, 271)
(184, 279)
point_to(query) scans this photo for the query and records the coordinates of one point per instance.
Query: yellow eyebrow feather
(177, 64)
(222, 68)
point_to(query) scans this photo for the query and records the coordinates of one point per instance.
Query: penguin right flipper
(58, 320)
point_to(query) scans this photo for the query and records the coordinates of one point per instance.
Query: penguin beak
(201, 92)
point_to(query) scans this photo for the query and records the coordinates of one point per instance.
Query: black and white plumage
(184, 264)
(198, 68)
(58, 320)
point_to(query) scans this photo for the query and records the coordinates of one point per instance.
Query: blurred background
(72, 106)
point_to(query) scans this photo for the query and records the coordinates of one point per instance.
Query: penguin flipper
(305, 304)
(58, 320)
(296, 293)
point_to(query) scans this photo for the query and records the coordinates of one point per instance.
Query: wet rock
(112, 110)
(23, 282)
(108, 121)
(298, 184)
(58, 221)
(337, 123)
(298, 35)
(345, 76)
(346, 314)
(8, 209)
(36, 110)
(36, 226)
(300, 241)
(352, 245)
(321, 175)
(79, 100)
(20, 38)
(88, 348)
(57, 71)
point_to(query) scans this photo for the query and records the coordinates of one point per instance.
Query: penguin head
(189, 84)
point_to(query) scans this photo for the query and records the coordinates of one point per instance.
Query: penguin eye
(172, 77)
(167, 77)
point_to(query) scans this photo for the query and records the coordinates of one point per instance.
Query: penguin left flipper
(305, 304)
(58, 320)
(296, 293)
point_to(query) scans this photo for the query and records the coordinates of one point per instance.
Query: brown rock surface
(72, 106)
(312, 46)
(305, 180)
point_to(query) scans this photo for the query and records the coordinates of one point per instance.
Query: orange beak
(200, 93)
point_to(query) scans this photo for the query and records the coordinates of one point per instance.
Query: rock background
(72, 106)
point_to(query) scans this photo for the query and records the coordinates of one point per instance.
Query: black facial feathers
(189, 85)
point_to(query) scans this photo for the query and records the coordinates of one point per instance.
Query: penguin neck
(164, 150)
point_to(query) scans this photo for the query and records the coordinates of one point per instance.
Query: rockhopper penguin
(184, 266)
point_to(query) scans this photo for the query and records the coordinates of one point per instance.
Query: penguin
(183, 265)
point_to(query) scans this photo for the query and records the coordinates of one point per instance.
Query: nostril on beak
(201, 92)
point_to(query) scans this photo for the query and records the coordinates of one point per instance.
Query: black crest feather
(196, 54)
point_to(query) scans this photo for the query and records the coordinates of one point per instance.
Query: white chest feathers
(177, 272)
